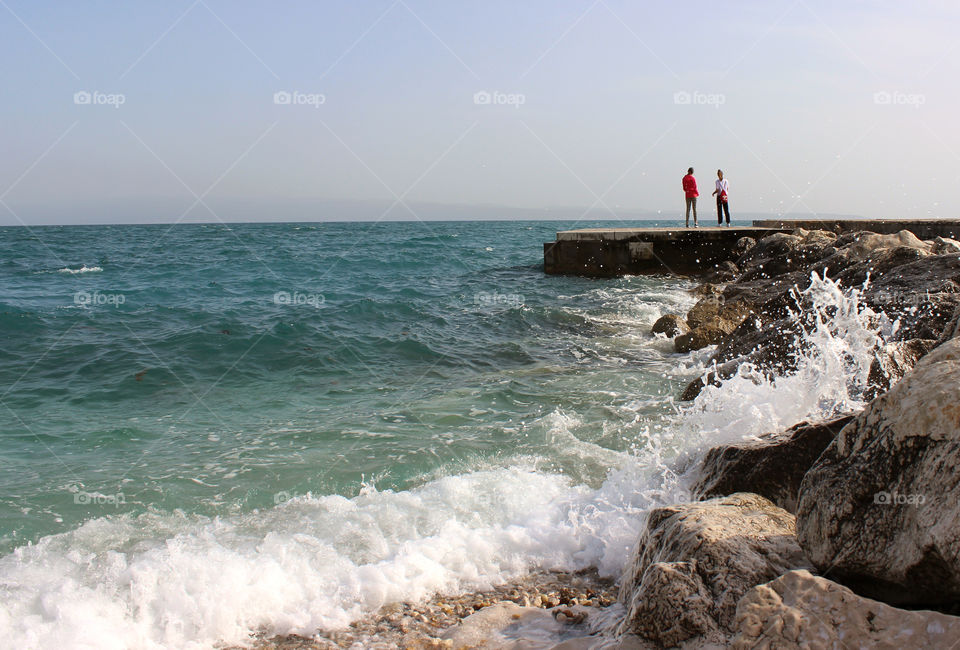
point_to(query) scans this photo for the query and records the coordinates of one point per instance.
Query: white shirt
(723, 186)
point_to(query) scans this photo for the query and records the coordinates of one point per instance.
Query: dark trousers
(723, 207)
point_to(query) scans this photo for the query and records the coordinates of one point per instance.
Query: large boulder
(945, 246)
(725, 271)
(671, 325)
(952, 328)
(772, 466)
(921, 294)
(866, 244)
(880, 509)
(715, 310)
(800, 610)
(892, 361)
(710, 321)
(699, 338)
(694, 561)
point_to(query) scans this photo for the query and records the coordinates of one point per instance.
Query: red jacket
(690, 186)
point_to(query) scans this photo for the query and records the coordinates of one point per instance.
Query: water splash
(840, 334)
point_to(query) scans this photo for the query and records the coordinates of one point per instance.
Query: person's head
(690, 171)
(720, 174)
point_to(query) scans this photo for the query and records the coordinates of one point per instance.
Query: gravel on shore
(409, 625)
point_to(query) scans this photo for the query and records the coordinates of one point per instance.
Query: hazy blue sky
(808, 106)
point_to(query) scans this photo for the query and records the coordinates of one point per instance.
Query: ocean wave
(171, 580)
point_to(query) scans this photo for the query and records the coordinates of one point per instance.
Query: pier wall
(613, 252)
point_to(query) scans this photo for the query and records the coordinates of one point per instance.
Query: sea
(211, 429)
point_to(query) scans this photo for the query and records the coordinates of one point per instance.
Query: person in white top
(723, 206)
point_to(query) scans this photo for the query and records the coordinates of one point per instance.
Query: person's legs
(726, 210)
(719, 211)
(694, 202)
(688, 212)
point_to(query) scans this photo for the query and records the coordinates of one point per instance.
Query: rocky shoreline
(836, 534)
(843, 533)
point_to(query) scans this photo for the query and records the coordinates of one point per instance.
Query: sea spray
(838, 339)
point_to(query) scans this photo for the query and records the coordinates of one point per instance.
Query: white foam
(82, 269)
(187, 582)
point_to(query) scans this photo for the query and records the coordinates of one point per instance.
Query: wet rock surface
(772, 466)
(671, 325)
(694, 561)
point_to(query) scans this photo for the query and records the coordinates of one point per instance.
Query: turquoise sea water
(210, 368)
(207, 429)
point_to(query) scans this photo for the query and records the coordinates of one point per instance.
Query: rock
(713, 377)
(743, 245)
(800, 610)
(705, 312)
(766, 344)
(508, 625)
(694, 561)
(772, 466)
(723, 272)
(710, 320)
(864, 244)
(675, 604)
(892, 361)
(945, 246)
(922, 294)
(707, 289)
(880, 509)
(671, 325)
(715, 310)
(781, 253)
(699, 338)
(952, 328)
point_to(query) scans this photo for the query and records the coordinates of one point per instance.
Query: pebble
(417, 626)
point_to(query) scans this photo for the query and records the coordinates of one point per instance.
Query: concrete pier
(613, 252)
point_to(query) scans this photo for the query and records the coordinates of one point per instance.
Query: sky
(217, 110)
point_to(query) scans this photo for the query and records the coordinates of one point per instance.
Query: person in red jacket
(690, 192)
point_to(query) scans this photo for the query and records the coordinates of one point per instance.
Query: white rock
(880, 509)
(799, 610)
